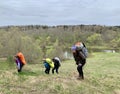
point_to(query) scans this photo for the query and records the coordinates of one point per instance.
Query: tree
(95, 39)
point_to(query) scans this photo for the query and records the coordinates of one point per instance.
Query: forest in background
(36, 41)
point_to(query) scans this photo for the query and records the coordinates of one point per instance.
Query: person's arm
(75, 57)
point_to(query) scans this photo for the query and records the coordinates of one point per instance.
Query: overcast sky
(59, 12)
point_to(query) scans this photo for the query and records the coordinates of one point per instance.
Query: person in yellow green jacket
(48, 63)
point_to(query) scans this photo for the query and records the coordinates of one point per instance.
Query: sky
(59, 12)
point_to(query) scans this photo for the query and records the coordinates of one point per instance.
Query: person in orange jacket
(20, 61)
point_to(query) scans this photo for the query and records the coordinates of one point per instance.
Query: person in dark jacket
(79, 58)
(57, 64)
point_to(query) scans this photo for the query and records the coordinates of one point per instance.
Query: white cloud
(56, 12)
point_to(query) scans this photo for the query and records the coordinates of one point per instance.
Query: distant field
(102, 76)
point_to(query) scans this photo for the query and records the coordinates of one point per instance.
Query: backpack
(50, 62)
(21, 58)
(56, 62)
(79, 46)
(85, 52)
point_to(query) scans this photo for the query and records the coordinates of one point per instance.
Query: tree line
(37, 41)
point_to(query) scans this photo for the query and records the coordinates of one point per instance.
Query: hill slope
(102, 76)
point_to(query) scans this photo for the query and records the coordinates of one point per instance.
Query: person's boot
(80, 77)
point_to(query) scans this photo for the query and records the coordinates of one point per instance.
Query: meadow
(102, 76)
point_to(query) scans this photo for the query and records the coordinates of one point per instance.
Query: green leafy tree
(115, 43)
(95, 39)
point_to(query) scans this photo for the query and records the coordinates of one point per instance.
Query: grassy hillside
(102, 76)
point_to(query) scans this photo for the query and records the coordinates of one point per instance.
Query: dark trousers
(21, 66)
(47, 70)
(80, 68)
(55, 68)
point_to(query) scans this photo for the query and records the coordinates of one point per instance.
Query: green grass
(102, 76)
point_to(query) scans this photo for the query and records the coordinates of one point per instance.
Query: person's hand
(79, 64)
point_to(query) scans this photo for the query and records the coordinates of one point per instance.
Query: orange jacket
(21, 57)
